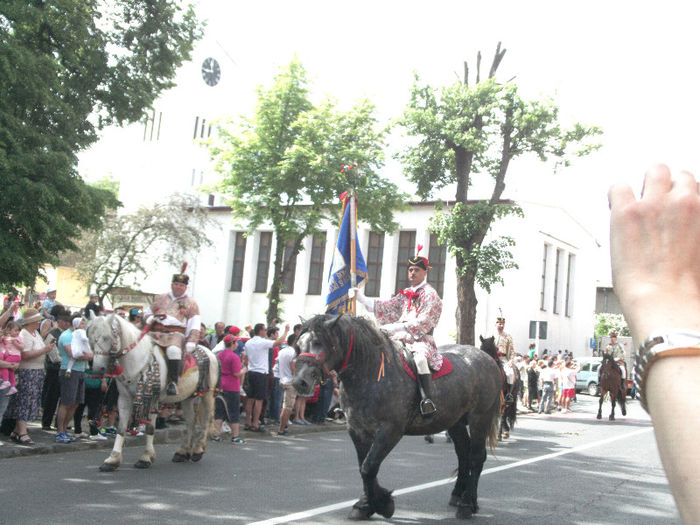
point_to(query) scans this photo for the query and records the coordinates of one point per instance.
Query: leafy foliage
(462, 129)
(282, 166)
(606, 323)
(66, 69)
(119, 253)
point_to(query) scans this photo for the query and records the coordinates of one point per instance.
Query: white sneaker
(225, 427)
(98, 437)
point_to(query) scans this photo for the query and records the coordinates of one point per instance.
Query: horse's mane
(368, 343)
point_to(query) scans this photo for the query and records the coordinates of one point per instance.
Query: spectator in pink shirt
(228, 404)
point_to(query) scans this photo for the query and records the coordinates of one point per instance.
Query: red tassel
(184, 267)
(419, 248)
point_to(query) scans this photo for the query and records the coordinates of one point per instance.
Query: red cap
(234, 330)
(229, 339)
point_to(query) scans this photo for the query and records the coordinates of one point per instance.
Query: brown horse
(610, 381)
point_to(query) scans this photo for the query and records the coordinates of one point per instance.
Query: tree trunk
(274, 295)
(466, 309)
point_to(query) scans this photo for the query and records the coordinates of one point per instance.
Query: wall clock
(211, 72)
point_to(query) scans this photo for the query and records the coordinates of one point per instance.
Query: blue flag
(337, 301)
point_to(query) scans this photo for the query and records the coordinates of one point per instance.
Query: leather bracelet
(670, 344)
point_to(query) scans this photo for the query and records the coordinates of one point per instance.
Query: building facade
(549, 299)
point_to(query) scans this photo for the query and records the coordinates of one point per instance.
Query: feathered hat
(417, 260)
(182, 277)
(500, 316)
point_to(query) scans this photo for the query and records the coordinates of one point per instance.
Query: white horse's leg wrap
(420, 356)
(173, 352)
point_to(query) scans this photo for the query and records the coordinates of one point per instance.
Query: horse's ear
(92, 315)
(330, 324)
(481, 338)
(303, 321)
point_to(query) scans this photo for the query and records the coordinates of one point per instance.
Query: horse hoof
(360, 514)
(429, 439)
(612, 418)
(599, 416)
(180, 458)
(197, 456)
(108, 467)
(464, 512)
(624, 412)
(142, 464)
(386, 507)
(454, 500)
(475, 508)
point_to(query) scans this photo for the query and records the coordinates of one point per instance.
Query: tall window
(318, 254)
(570, 285)
(555, 307)
(264, 251)
(543, 296)
(289, 264)
(437, 255)
(375, 253)
(238, 258)
(407, 247)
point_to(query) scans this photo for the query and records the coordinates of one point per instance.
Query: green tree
(67, 69)
(123, 249)
(465, 129)
(282, 167)
(606, 323)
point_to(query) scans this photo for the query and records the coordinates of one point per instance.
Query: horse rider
(410, 317)
(618, 354)
(175, 323)
(503, 340)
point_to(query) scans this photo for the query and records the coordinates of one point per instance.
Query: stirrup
(172, 389)
(427, 407)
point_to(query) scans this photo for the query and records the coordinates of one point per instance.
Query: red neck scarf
(410, 295)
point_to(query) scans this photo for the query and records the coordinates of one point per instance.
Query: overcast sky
(628, 67)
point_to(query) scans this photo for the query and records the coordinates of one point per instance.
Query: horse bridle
(316, 360)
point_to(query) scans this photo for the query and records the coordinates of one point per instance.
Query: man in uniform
(504, 341)
(410, 317)
(618, 354)
(175, 322)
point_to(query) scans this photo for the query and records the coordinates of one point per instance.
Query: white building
(549, 300)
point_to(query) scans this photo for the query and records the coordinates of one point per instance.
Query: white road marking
(416, 488)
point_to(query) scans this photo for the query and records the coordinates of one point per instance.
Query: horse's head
(488, 345)
(318, 352)
(102, 333)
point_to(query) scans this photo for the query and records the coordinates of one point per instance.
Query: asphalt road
(557, 469)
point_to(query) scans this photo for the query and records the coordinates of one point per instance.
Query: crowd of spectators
(46, 375)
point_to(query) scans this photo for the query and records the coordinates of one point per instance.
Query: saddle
(409, 365)
(198, 360)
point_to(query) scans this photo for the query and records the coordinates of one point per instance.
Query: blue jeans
(276, 400)
(4, 401)
(547, 393)
(325, 395)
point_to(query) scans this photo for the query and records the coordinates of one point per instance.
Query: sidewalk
(45, 444)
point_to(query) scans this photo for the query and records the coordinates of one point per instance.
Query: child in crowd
(79, 345)
(11, 351)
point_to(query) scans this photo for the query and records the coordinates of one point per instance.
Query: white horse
(142, 386)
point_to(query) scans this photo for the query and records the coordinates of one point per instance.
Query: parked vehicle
(587, 378)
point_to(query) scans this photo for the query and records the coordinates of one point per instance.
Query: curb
(44, 440)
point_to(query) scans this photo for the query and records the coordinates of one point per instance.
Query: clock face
(211, 72)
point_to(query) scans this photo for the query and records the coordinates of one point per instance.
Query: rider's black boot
(427, 407)
(174, 369)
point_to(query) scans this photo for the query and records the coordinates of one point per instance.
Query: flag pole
(353, 254)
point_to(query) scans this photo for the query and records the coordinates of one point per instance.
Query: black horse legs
(370, 455)
(460, 440)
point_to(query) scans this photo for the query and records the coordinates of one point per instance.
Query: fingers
(620, 195)
(657, 180)
(686, 183)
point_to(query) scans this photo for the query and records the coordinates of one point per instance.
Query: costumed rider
(410, 317)
(617, 351)
(175, 323)
(506, 351)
